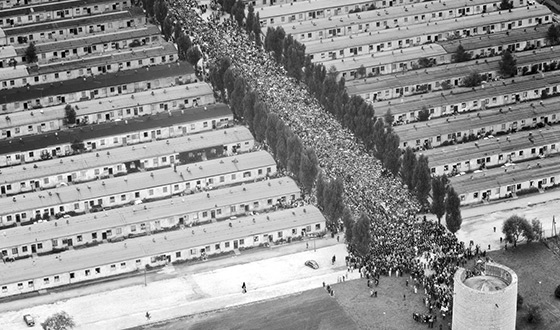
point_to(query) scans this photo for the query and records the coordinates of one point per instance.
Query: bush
(520, 301)
(557, 292)
(535, 315)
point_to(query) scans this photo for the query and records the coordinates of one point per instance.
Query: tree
(274, 42)
(425, 62)
(238, 12)
(534, 316)
(160, 11)
(361, 71)
(348, 222)
(249, 101)
(250, 21)
(167, 28)
(31, 53)
(461, 55)
(271, 134)
(149, 7)
(379, 137)
(184, 43)
(388, 118)
(361, 236)
(237, 96)
(78, 146)
(217, 72)
(506, 4)
(193, 55)
(70, 114)
(453, 219)
(333, 203)
(228, 5)
(472, 80)
(536, 226)
(259, 123)
(553, 35)
(295, 148)
(281, 147)
(320, 187)
(392, 159)
(308, 169)
(515, 227)
(177, 32)
(422, 180)
(439, 188)
(59, 321)
(229, 82)
(508, 65)
(407, 168)
(294, 57)
(424, 114)
(257, 30)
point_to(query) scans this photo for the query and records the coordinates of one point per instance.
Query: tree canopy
(70, 114)
(508, 65)
(348, 222)
(553, 35)
(361, 236)
(422, 180)
(516, 227)
(453, 219)
(59, 321)
(506, 4)
(31, 53)
(461, 55)
(407, 167)
(439, 189)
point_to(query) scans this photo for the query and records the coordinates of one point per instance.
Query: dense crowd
(400, 243)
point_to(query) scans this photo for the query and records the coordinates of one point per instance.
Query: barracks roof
(138, 181)
(119, 217)
(121, 155)
(39, 141)
(97, 82)
(105, 254)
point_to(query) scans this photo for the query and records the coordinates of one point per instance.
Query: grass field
(538, 271)
(312, 309)
(351, 309)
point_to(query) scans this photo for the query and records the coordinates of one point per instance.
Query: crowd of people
(400, 242)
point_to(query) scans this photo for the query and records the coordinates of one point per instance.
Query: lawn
(537, 268)
(311, 310)
(538, 271)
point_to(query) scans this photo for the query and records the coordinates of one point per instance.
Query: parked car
(29, 320)
(312, 263)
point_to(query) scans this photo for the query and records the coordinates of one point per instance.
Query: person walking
(148, 316)
(244, 288)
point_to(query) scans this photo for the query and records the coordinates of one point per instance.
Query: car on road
(29, 320)
(312, 263)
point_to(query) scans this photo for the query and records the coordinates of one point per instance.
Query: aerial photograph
(280, 164)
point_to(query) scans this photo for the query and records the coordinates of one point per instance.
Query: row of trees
(287, 148)
(415, 173)
(171, 30)
(359, 117)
